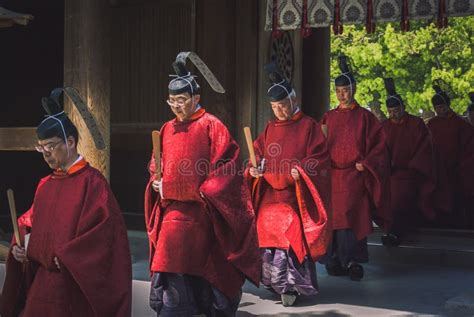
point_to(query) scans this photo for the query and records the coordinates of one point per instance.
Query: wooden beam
(6, 23)
(18, 139)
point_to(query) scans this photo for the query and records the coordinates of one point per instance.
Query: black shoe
(336, 270)
(356, 271)
(390, 240)
(288, 299)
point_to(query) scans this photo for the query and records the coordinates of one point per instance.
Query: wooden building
(118, 54)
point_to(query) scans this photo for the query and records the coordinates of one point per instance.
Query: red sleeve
(466, 170)
(423, 163)
(228, 200)
(317, 163)
(377, 164)
(152, 205)
(100, 247)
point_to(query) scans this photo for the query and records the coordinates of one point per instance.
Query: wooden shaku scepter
(155, 136)
(11, 202)
(248, 138)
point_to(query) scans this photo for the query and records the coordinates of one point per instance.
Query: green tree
(414, 59)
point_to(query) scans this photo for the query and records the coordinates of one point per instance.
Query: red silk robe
(355, 135)
(453, 141)
(413, 179)
(293, 214)
(75, 218)
(204, 225)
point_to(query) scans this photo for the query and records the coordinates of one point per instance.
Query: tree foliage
(414, 59)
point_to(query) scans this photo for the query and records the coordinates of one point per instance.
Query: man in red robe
(412, 180)
(291, 192)
(453, 141)
(360, 178)
(199, 216)
(76, 261)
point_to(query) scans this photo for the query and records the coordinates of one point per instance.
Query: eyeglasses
(280, 105)
(177, 103)
(48, 147)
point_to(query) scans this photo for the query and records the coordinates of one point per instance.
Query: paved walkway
(386, 290)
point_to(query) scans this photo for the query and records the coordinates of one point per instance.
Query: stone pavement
(394, 289)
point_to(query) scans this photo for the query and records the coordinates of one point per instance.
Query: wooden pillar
(215, 44)
(264, 111)
(316, 73)
(87, 68)
(246, 74)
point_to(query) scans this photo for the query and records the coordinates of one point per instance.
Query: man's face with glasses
(182, 105)
(54, 151)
